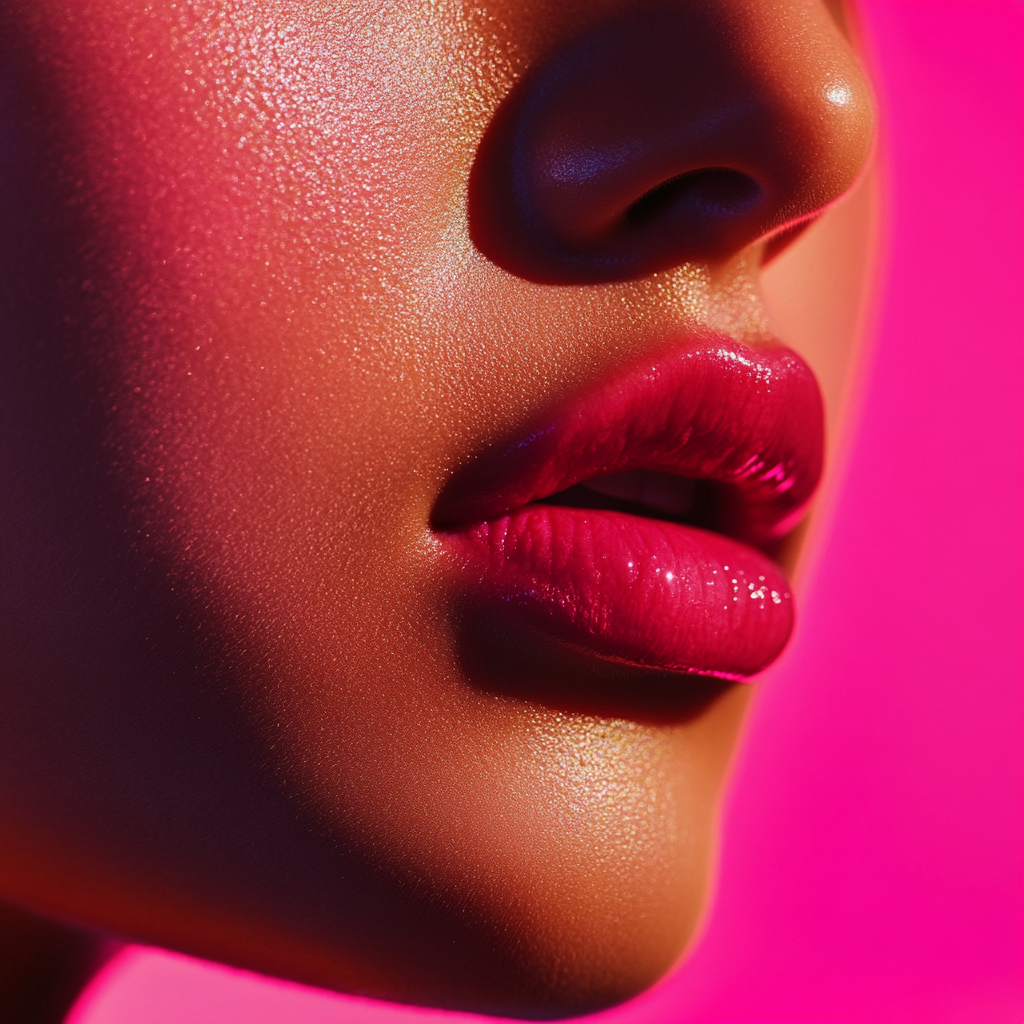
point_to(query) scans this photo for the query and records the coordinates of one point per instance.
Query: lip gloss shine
(628, 587)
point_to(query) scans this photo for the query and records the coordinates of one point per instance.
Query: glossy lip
(626, 587)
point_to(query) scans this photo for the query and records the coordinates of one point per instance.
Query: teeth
(666, 494)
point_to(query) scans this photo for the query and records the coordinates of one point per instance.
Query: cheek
(245, 259)
(283, 388)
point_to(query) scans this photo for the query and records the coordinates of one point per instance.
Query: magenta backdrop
(873, 855)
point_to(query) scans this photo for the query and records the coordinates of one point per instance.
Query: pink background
(872, 864)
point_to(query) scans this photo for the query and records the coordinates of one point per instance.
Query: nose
(673, 133)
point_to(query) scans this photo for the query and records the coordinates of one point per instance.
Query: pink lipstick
(630, 522)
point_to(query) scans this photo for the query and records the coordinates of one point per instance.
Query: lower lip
(630, 589)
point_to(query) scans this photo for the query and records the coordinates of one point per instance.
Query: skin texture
(249, 333)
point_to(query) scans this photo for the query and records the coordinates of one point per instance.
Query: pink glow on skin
(872, 849)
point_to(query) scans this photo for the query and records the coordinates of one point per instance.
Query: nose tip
(679, 132)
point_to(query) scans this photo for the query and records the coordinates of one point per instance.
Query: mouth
(634, 523)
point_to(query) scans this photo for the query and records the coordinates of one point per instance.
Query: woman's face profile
(389, 389)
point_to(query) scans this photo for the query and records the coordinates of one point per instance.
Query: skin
(247, 338)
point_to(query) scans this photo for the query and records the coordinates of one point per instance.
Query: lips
(631, 523)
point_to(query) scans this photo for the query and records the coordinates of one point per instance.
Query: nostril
(745, 126)
(711, 193)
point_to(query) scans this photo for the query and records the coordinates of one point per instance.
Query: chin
(560, 861)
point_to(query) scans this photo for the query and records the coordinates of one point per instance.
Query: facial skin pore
(247, 339)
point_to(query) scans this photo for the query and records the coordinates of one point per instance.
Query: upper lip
(747, 418)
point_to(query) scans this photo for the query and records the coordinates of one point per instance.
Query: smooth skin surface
(247, 338)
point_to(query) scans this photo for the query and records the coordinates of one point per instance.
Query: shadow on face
(42, 966)
(513, 661)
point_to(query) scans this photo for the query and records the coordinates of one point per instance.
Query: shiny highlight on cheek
(266, 270)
